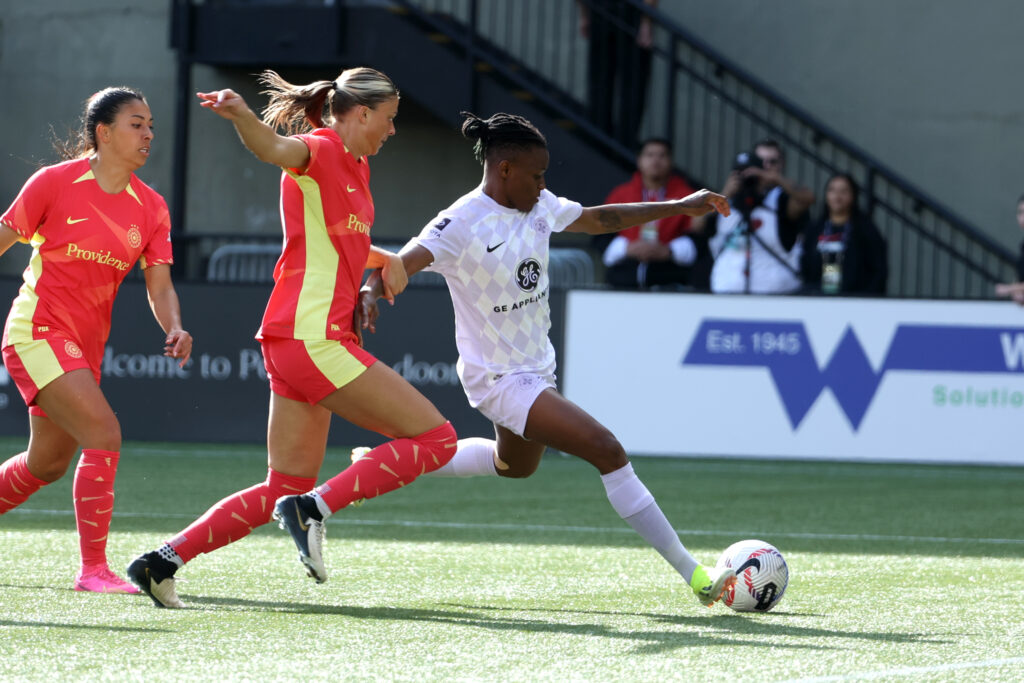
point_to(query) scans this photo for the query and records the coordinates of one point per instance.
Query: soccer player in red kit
(311, 345)
(88, 219)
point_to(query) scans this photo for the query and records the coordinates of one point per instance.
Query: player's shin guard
(237, 515)
(17, 483)
(389, 466)
(93, 492)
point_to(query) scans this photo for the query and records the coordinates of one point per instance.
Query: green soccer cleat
(710, 583)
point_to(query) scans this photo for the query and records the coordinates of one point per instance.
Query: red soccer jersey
(326, 211)
(84, 243)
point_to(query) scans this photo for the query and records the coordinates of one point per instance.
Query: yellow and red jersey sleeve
(158, 248)
(32, 205)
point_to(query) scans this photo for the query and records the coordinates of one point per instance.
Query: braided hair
(500, 132)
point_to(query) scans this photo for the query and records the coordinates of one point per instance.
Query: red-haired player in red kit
(88, 219)
(311, 346)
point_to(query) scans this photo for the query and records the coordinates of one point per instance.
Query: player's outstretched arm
(163, 300)
(596, 220)
(258, 137)
(414, 259)
(392, 272)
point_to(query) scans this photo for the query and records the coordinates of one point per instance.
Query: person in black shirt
(844, 252)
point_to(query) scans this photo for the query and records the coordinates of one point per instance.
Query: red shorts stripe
(311, 370)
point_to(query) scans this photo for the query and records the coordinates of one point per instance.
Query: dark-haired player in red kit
(88, 219)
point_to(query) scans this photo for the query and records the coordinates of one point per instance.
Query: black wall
(223, 395)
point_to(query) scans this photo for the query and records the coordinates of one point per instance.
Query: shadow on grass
(757, 624)
(79, 627)
(649, 642)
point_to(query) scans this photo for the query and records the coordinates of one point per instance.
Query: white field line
(914, 670)
(724, 465)
(581, 529)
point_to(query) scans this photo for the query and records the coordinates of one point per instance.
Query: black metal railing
(710, 109)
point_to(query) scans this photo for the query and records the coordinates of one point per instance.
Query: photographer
(756, 249)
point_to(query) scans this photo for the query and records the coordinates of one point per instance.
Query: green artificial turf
(897, 572)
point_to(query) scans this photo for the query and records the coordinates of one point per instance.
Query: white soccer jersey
(495, 261)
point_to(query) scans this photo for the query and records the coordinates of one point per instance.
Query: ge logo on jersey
(528, 274)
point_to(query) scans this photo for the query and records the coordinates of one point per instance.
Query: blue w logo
(783, 348)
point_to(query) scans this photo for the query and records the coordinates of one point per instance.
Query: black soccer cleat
(155, 577)
(299, 516)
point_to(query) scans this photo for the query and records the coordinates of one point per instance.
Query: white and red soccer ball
(761, 576)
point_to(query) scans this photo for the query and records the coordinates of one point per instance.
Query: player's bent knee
(50, 471)
(605, 452)
(440, 443)
(519, 470)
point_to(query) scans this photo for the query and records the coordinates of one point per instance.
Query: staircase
(709, 108)
(528, 56)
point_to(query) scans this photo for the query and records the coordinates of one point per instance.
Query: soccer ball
(761, 576)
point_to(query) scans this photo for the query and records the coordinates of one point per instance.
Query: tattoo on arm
(610, 219)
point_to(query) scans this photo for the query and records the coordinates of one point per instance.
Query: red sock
(93, 491)
(237, 515)
(17, 483)
(388, 466)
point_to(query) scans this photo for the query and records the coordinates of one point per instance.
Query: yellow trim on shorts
(333, 360)
(40, 361)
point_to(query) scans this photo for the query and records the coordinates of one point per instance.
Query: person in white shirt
(491, 246)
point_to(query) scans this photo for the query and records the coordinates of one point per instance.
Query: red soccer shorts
(34, 364)
(310, 370)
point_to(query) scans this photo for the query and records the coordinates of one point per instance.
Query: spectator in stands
(491, 246)
(1015, 290)
(311, 344)
(757, 248)
(657, 253)
(88, 219)
(843, 252)
(619, 40)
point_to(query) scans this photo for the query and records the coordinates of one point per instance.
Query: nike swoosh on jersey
(72, 221)
(350, 188)
(490, 248)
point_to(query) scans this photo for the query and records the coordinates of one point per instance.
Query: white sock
(474, 457)
(637, 506)
(171, 555)
(321, 505)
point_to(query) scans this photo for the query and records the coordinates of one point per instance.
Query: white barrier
(835, 378)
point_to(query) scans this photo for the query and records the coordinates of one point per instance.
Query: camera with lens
(749, 196)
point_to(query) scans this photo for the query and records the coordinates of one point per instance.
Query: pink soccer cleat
(99, 579)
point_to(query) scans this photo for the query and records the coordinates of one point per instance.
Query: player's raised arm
(258, 137)
(596, 220)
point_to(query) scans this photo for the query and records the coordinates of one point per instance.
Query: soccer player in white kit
(491, 246)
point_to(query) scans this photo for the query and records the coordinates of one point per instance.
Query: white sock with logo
(474, 457)
(637, 506)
